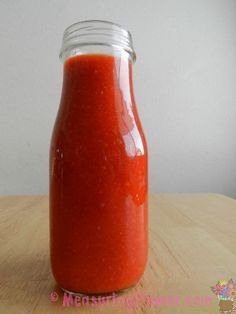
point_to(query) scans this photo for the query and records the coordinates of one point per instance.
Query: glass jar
(98, 165)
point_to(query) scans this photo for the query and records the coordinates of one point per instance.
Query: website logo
(226, 294)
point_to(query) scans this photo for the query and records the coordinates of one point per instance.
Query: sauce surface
(98, 179)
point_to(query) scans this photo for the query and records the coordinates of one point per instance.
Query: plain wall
(185, 83)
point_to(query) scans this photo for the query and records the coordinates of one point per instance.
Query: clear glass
(98, 165)
(96, 36)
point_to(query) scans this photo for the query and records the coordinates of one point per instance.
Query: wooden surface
(192, 246)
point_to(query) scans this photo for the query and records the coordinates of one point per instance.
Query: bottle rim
(98, 33)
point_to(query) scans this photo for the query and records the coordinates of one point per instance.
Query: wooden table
(192, 246)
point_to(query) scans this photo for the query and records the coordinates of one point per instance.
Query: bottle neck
(96, 36)
(98, 57)
(99, 78)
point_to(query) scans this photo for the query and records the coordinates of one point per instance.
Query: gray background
(185, 82)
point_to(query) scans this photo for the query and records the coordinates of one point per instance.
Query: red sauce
(98, 179)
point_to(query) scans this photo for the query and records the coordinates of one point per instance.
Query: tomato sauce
(98, 178)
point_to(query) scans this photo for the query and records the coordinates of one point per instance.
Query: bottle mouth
(98, 34)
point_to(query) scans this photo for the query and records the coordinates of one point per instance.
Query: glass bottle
(98, 165)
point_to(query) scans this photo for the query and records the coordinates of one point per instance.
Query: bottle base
(96, 294)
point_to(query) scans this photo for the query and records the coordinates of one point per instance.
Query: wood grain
(192, 245)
